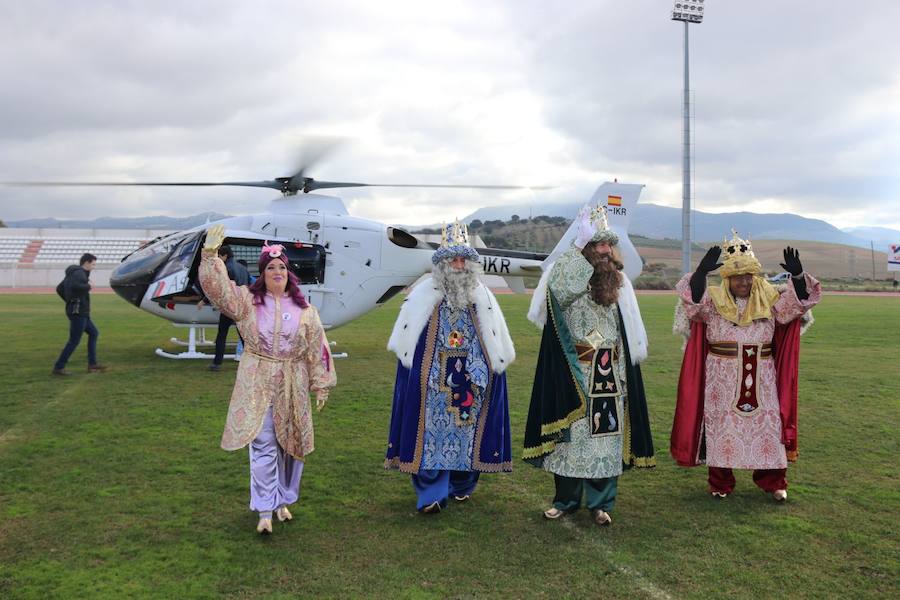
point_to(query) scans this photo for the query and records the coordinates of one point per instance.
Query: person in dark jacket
(240, 276)
(77, 292)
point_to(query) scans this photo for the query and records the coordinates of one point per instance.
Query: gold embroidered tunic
(586, 455)
(286, 356)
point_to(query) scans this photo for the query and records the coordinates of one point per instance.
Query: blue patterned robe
(430, 429)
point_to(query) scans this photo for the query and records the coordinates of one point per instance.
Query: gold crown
(738, 257)
(599, 219)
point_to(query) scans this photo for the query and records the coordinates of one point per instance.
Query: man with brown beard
(450, 416)
(588, 415)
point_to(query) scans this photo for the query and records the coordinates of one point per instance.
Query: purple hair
(258, 287)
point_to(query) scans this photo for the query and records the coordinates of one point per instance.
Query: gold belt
(730, 349)
(585, 353)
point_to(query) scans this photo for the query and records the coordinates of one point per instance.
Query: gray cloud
(796, 111)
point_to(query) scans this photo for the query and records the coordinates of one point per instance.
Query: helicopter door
(174, 278)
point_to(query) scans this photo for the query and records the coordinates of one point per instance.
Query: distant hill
(825, 261)
(659, 222)
(881, 236)
(155, 222)
(662, 257)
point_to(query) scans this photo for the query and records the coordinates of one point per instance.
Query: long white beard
(459, 286)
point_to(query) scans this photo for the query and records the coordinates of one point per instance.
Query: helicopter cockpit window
(182, 255)
(173, 280)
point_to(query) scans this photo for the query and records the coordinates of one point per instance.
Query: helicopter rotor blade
(273, 184)
(312, 185)
(286, 185)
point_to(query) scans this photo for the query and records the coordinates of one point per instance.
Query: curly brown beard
(606, 280)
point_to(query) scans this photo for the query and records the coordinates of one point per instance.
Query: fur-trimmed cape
(420, 304)
(413, 341)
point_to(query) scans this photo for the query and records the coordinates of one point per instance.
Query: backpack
(61, 290)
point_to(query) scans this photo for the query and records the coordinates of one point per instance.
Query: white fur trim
(417, 309)
(628, 306)
(537, 311)
(634, 324)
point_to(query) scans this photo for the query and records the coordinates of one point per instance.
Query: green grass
(113, 485)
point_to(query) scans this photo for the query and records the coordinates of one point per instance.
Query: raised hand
(214, 237)
(792, 262)
(710, 262)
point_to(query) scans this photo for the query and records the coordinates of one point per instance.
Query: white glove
(584, 230)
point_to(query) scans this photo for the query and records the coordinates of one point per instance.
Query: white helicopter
(347, 265)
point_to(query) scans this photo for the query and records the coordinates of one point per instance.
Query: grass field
(113, 485)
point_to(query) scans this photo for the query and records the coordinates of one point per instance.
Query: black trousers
(79, 324)
(224, 324)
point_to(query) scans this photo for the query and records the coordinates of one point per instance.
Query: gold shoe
(553, 513)
(264, 526)
(284, 514)
(779, 495)
(602, 518)
(433, 508)
(719, 494)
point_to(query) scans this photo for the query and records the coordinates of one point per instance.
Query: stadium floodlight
(688, 11)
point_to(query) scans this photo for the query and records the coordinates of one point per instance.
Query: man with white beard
(588, 414)
(450, 416)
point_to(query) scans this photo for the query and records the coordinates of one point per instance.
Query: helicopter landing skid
(339, 354)
(200, 338)
(191, 343)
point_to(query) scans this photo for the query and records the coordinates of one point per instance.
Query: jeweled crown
(454, 242)
(738, 257)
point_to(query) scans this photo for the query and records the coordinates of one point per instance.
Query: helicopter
(347, 265)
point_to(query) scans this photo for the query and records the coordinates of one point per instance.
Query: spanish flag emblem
(614, 201)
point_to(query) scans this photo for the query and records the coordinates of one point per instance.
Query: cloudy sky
(797, 103)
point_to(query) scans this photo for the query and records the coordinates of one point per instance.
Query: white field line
(592, 536)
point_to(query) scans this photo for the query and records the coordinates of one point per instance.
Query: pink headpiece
(274, 250)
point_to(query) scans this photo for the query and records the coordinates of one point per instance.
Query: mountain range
(649, 220)
(153, 222)
(659, 222)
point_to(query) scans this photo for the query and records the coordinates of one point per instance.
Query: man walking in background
(76, 291)
(240, 276)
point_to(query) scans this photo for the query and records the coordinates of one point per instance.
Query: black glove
(708, 263)
(795, 268)
(791, 262)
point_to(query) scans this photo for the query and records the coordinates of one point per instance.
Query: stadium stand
(35, 257)
(69, 250)
(11, 249)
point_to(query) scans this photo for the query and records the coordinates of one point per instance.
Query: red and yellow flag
(614, 200)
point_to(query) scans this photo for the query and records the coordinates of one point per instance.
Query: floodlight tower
(689, 11)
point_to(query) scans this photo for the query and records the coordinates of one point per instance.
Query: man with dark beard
(588, 415)
(450, 416)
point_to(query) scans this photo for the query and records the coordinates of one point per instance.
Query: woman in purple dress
(286, 356)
